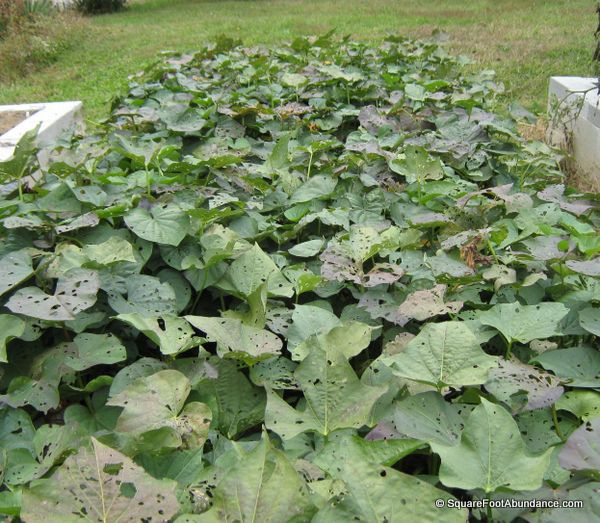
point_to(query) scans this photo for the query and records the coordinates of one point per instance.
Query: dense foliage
(322, 282)
(15, 13)
(99, 6)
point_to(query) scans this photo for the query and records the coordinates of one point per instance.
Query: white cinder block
(574, 114)
(54, 119)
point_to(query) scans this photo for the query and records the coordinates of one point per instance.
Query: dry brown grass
(37, 42)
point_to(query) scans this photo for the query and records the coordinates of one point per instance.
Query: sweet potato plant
(327, 281)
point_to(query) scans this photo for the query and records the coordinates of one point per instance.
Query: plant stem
(489, 244)
(490, 517)
(508, 350)
(310, 161)
(147, 182)
(556, 425)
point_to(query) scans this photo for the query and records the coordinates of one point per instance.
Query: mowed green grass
(525, 41)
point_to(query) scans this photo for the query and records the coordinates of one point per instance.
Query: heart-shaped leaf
(15, 267)
(90, 484)
(164, 223)
(491, 454)
(525, 323)
(236, 340)
(335, 397)
(443, 354)
(158, 401)
(75, 292)
(172, 334)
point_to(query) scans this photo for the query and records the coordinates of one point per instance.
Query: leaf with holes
(103, 484)
(172, 334)
(236, 340)
(525, 323)
(523, 387)
(75, 292)
(585, 404)
(578, 366)
(159, 401)
(422, 305)
(368, 485)
(15, 268)
(144, 295)
(491, 454)
(428, 417)
(260, 485)
(95, 349)
(334, 397)
(443, 354)
(350, 338)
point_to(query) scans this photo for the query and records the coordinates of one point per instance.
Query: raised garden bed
(52, 120)
(574, 113)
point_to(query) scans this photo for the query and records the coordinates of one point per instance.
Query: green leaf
(113, 250)
(164, 223)
(236, 404)
(158, 401)
(367, 491)
(417, 165)
(443, 354)
(335, 397)
(183, 466)
(188, 120)
(307, 249)
(525, 323)
(294, 80)
(349, 338)
(262, 485)
(383, 452)
(145, 295)
(585, 404)
(579, 366)
(428, 417)
(172, 334)
(75, 291)
(90, 485)
(95, 349)
(279, 154)
(491, 454)
(315, 188)
(307, 320)
(10, 327)
(589, 319)
(15, 268)
(251, 270)
(138, 369)
(236, 340)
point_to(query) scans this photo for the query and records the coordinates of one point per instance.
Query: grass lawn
(525, 41)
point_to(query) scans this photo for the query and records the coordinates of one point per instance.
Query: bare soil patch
(11, 118)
